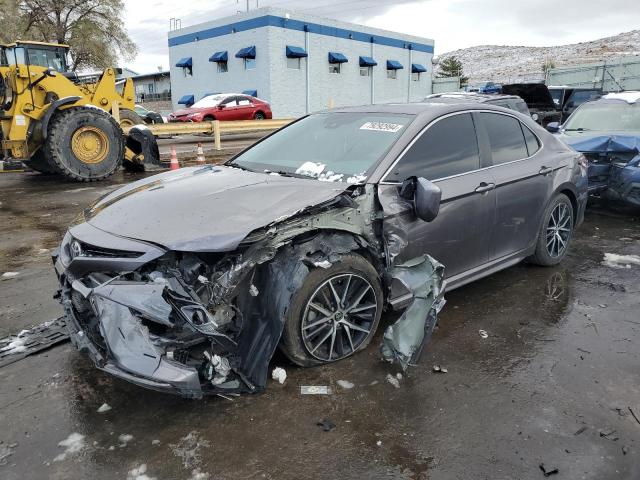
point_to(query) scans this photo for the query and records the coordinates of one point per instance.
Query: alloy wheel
(559, 230)
(339, 317)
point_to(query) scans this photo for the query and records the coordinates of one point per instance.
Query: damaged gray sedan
(188, 281)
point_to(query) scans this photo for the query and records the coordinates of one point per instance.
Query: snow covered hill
(515, 63)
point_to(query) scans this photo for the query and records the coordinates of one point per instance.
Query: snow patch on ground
(74, 443)
(253, 291)
(279, 374)
(139, 473)
(347, 385)
(198, 475)
(393, 380)
(620, 261)
(10, 274)
(188, 449)
(15, 346)
(124, 439)
(104, 408)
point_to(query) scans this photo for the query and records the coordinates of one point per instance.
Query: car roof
(469, 97)
(629, 97)
(425, 110)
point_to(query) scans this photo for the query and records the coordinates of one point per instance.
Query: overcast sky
(452, 24)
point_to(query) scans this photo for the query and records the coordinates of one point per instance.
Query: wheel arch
(569, 190)
(54, 108)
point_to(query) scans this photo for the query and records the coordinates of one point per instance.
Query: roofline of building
(270, 17)
(154, 74)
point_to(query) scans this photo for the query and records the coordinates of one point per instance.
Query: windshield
(617, 116)
(210, 101)
(53, 58)
(336, 147)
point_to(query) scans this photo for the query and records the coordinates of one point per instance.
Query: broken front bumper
(127, 353)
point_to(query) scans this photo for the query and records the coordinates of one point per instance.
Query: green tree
(94, 29)
(12, 24)
(451, 67)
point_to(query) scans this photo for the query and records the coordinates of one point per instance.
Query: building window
(392, 73)
(150, 88)
(415, 76)
(249, 63)
(293, 63)
(222, 67)
(334, 67)
(365, 71)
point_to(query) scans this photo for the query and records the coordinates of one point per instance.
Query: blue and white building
(299, 63)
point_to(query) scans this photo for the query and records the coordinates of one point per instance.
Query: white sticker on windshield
(382, 127)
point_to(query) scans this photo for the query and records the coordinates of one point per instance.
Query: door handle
(545, 171)
(485, 187)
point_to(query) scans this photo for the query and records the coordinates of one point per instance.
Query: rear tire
(85, 144)
(555, 233)
(259, 116)
(129, 118)
(299, 337)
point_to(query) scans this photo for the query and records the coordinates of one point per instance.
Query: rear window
(533, 145)
(505, 138)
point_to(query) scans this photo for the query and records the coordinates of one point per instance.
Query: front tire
(259, 116)
(334, 314)
(555, 233)
(85, 144)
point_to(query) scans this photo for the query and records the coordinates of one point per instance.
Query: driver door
(446, 153)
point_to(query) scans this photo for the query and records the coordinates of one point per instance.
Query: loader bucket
(140, 140)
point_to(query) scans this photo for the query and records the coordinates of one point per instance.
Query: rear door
(523, 177)
(446, 153)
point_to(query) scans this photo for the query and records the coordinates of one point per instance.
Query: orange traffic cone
(174, 165)
(200, 157)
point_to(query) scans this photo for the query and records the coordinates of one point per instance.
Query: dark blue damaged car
(607, 132)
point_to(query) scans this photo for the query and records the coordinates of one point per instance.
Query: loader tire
(129, 118)
(39, 163)
(85, 144)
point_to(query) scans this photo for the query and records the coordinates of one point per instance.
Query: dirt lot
(555, 381)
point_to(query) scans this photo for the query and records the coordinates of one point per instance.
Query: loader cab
(47, 55)
(3, 56)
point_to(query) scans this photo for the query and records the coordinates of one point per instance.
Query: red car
(229, 106)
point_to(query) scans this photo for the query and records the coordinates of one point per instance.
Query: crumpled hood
(602, 143)
(205, 209)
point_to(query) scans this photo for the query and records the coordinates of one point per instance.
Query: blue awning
(247, 52)
(367, 62)
(253, 93)
(186, 100)
(335, 57)
(417, 68)
(219, 57)
(185, 62)
(295, 52)
(394, 65)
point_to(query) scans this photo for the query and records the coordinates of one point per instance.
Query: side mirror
(222, 107)
(426, 199)
(553, 127)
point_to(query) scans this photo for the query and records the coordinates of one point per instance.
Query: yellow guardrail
(215, 128)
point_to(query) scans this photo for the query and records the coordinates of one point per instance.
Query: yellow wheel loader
(57, 122)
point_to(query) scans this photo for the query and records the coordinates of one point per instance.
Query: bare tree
(94, 29)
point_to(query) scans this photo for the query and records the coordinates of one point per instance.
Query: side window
(229, 102)
(533, 145)
(243, 101)
(505, 137)
(449, 147)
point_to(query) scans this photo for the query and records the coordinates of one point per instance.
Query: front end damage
(195, 323)
(614, 165)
